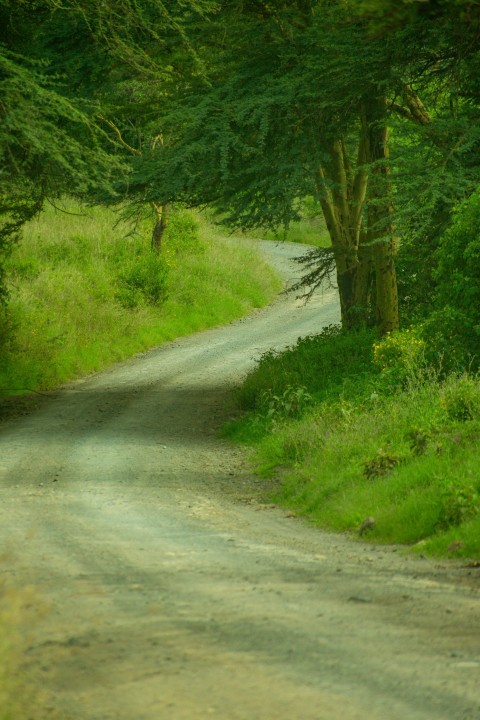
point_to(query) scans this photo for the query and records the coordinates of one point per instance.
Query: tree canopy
(371, 108)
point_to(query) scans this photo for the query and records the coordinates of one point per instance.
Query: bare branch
(117, 132)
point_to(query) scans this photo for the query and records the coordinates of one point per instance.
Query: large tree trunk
(342, 190)
(380, 237)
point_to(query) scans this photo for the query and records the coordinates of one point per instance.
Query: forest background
(359, 119)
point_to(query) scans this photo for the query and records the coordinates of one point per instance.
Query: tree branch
(328, 208)
(117, 132)
(415, 110)
(320, 266)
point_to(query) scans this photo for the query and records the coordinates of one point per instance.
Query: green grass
(356, 447)
(85, 293)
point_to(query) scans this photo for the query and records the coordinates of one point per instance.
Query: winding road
(170, 591)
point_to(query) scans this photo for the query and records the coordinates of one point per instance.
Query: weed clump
(382, 464)
(290, 404)
(418, 439)
(460, 398)
(458, 504)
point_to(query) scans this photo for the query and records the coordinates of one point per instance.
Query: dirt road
(172, 593)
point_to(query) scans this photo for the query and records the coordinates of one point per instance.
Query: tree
(143, 51)
(64, 66)
(435, 117)
(49, 144)
(283, 116)
(301, 98)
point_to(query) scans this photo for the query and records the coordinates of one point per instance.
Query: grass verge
(87, 292)
(342, 444)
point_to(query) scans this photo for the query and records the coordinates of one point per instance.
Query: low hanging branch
(319, 267)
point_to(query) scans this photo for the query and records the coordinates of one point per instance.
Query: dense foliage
(370, 108)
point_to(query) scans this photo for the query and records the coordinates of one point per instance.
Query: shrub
(418, 439)
(457, 505)
(452, 331)
(460, 398)
(323, 364)
(143, 281)
(382, 464)
(399, 356)
(291, 403)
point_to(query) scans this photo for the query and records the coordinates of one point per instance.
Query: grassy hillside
(86, 292)
(362, 437)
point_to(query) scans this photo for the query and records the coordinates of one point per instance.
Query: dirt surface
(171, 592)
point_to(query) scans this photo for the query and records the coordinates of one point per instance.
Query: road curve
(170, 592)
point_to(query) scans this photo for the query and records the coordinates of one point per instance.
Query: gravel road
(171, 592)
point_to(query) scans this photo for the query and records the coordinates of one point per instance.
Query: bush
(291, 403)
(399, 356)
(460, 398)
(143, 281)
(452, 332)
(382, 464)
(458, 504)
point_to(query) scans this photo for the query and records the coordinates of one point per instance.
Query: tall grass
(342, 445)
(86, 292)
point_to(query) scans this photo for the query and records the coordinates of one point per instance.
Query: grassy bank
(384, 450)
(86, 292)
